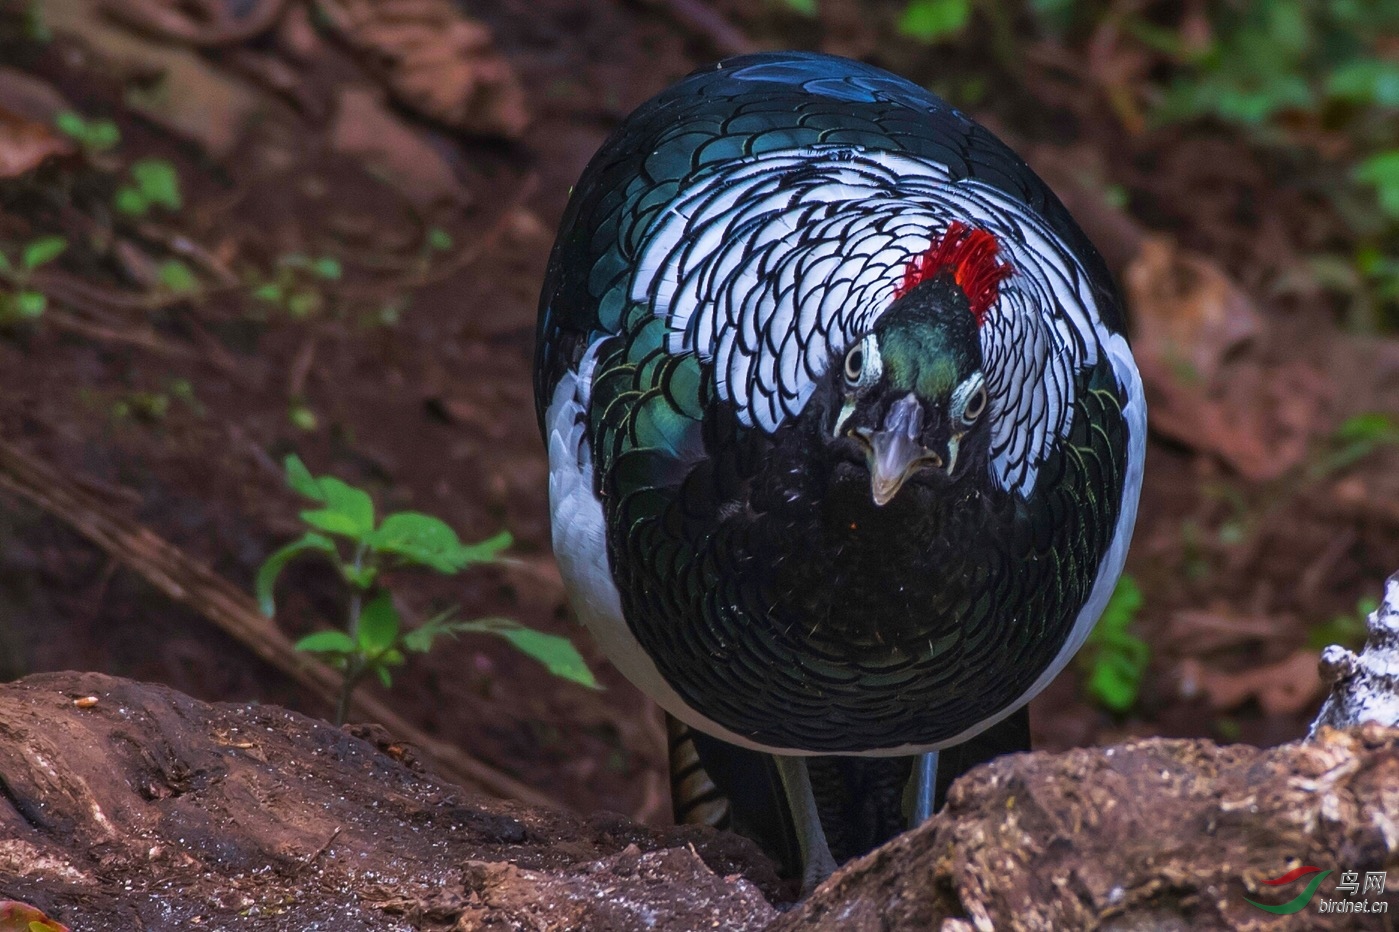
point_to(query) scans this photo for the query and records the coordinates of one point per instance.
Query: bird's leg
(817, 863)
(926, 773)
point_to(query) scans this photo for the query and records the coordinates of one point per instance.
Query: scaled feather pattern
(721, 259)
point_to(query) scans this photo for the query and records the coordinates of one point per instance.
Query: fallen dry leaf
(435, 61)
(1258, 418)
(1185, 309)
(1206, 631)
(1196, 337)
(27, 138)
(171, 85)
(1283, 688)
(25, 145)
(21, 917)
(365, 129)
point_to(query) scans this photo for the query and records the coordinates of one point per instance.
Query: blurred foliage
(1348, 630)
(153, 183)
(297, 287)
(1306, 74)
(1356, 438)
(931, 20)
(92, 135)
(18, 301)
(1319, 76)
(1113, 659)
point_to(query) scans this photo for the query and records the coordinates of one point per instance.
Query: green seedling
(93, 136)
(438, 240)
(181, 390)
(301, 416)
(19, 302)
(152, 183)
(297, 287)
(150, 407)
(344, 530)
(176, 277)
(1113, 659)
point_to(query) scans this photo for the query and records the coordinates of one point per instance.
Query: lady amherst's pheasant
(845, 439)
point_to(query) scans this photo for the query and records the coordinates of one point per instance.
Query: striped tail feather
(863, 801)
(723, 785)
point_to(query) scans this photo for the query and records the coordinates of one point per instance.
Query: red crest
(973, 256)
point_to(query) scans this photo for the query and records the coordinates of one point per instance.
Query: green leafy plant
(1381, 172)
(177, 277)
(1309, 77)
(18, 301)
(150, 407)
(344, 530)
(1356, 438)
(93, 136)
(153, 183)
(1113, 659)
(934, 20)
(297, 287)
(1348, 630)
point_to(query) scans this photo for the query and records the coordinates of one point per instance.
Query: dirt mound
(149, 810)
(1152, 834)
(125, 805)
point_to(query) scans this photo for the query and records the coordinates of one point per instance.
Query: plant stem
(354, 666)
(356, 597)
(354, 672)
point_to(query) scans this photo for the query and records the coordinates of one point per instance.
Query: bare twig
(167, 22)
(144, 338)
(720, 34)
(191, 583)
(315, 856)
(301, 366)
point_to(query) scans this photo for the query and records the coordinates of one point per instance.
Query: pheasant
(845, 440)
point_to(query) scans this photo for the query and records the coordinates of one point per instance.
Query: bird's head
(913, 399)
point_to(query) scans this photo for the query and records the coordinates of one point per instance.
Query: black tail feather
(861, 799)
(1008, 736)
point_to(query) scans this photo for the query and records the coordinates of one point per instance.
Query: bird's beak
(894, 452)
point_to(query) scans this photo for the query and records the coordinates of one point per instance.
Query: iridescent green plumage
(844, 435)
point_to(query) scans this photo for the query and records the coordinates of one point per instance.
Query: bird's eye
(862, 367)
(854, 364)
(976, 404)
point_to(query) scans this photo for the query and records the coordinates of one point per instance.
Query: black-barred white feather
(845, 435)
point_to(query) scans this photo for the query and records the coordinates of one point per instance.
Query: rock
(149, 809)
(128, 806)
(173, 86)
(435, 61)
(1153, 834)
(365, 129)
(1365, 686)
